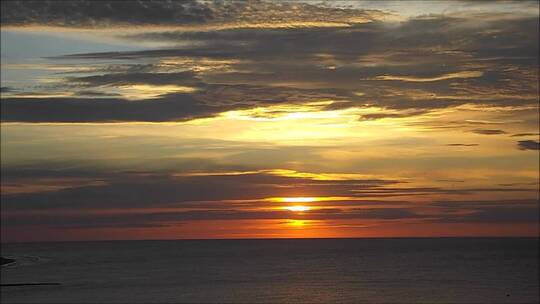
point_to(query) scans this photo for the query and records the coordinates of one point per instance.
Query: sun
(298, 199)
(298, 208)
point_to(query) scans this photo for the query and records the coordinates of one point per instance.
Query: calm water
(276, 271)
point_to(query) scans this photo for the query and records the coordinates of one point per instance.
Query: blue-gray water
(447, 270)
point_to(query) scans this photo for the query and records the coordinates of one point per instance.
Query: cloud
(137, 190)
(501, 211)
(176, 218)
(93, 13)
(159, 219)
(176, 107)
(525, 134)
(256, 14)
(209, 101)
(463, 74)
(249, 67)
(90, 93)
(100, 190)
(93, 198)
(6, 90)
(518, 184)
(488, 131)
(528, 145)
(375, 116)
(118, 79)
(462, 145)
(361, 58)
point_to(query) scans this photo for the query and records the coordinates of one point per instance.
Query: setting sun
(298, 208)
(298, 199)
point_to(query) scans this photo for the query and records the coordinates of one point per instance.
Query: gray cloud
(92, 13)
(161, 190)
(528, 145)
(160, 219)
(502, 211)
(118, 79)
(91, 93)
(179, 198)
(80, 13)
(168, 190)
(176, 107)
(6, 89)
(309, 64)
(209, 101)
(401, 67)
(405, 42)
(498, 215)
(473, 204)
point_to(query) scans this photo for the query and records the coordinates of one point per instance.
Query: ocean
(422, 270)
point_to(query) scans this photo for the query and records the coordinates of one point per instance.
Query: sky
(268, 119)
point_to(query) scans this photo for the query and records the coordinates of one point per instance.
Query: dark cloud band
(92, 13)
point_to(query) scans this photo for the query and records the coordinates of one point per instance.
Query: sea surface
(438, 270)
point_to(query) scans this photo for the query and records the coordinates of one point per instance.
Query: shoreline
(7, 261)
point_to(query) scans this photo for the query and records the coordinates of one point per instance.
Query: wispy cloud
(525, 134)
(488, 131)
(463, 74)
(462, 145)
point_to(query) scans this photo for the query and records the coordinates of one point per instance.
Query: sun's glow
(298, 208)
(145, 91)
(298, 199)
(311, 110)
(297, 223)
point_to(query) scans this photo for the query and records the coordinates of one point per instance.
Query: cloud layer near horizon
(132, 199)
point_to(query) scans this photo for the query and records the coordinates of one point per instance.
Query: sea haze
(421, 270)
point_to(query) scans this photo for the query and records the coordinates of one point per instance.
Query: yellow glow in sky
(298, 199)
(297, 223)
(145, 91)
(298, 208)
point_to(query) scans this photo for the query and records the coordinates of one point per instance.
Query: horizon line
(282, 238)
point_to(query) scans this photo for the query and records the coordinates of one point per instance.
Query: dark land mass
(27, 284)
(6, 261)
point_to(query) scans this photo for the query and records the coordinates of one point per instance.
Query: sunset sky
(268, 119)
